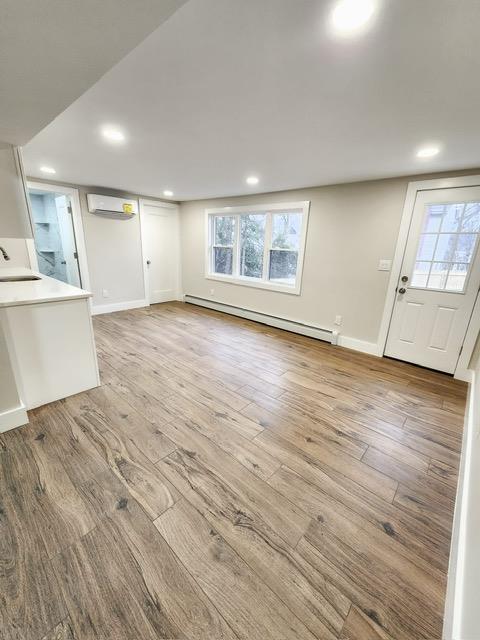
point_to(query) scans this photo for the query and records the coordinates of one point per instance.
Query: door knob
(402, 290)
(148, 262)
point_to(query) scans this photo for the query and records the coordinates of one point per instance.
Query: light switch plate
(384, 265)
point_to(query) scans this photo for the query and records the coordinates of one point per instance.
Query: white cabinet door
(439, 281)
(161, 244)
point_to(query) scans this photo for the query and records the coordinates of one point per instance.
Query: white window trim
(303, 206)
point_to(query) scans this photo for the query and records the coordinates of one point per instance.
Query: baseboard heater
(265, 318)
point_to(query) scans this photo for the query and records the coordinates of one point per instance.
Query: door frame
(161, 204)
(77, 228)
(462, 371)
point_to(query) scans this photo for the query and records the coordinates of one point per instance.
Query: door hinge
(75, 255)
(69, 209)
(461, 349)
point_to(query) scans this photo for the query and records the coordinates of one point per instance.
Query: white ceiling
(229, 88)
(51, 51)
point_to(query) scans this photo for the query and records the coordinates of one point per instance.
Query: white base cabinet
(52, 349)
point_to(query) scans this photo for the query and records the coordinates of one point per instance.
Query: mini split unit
(111, 207)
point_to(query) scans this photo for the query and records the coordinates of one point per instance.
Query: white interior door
(161, 244)
(440, 278)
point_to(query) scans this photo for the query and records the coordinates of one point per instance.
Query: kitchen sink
(18, 278)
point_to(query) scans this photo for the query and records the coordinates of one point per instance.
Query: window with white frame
(260, 246)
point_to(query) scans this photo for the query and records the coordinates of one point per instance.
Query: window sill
(259, 284)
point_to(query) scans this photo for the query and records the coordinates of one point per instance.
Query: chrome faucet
(4, 254)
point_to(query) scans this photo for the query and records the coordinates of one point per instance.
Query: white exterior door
(161, 246)
(440, 278)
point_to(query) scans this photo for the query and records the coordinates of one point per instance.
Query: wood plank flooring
(230, 481)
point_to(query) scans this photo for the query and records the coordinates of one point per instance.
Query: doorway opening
(58, 233)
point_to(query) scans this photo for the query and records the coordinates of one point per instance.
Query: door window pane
(457, 277)
(252, 244)
(420, 274)
(471, 217)
(433, 219)
(438, 275)
(451, 217)
(426, 246)
(465, 247)
(446, 246)
(223, 260)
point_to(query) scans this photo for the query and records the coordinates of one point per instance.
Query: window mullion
(267, 244)
(236, 247)
(211, 241)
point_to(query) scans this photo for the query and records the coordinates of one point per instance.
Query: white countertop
(35, 291)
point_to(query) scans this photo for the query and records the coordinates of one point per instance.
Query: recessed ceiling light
(428, 151)
(351, 16)
(112, 134)
(167, 193)
(252, 180)
(47, 170)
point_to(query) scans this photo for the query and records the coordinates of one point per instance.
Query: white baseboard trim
(371, 348)
(294, 326)
(312, 331)
(118, 306)
(13, 418)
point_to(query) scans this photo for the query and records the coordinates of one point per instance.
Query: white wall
(351, 227)
(462, 614)
(14, 222)
(470, 625)
(17, 250)
(114, 252)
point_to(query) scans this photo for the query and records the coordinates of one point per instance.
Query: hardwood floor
(230, 481)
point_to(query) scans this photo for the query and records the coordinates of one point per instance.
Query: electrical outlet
(338, 320)
(212, 292)
(105, 293)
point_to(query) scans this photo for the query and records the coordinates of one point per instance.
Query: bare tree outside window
(446, 246)
(252, 244)
(286, 228)
(258, 246)
(224, 237)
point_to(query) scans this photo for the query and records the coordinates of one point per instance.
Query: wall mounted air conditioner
(111, 207)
